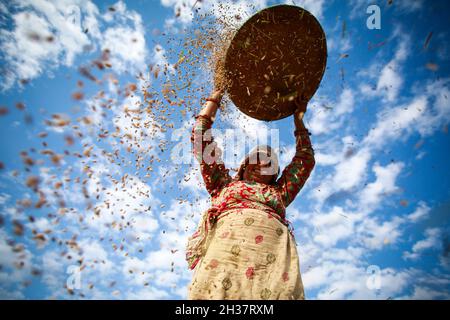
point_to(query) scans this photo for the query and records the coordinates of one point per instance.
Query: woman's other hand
(301, 103)
(217, 94)
(212, 104)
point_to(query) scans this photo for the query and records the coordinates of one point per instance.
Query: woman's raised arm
(297, 172)
(205, 149)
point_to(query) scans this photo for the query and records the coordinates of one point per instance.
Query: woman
(243, 248)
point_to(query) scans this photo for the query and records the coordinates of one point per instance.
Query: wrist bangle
(302, 131)
(216, 101)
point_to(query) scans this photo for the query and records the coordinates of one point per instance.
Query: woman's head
(260, 165)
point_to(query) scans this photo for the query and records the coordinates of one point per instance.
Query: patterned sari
(244, 247)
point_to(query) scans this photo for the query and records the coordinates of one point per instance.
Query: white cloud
(138, 129)
(193, 181)
(285, 157)
(349, 254)
(375, 234)
(46, 34)
(333, 226)
(40, 224)
(125, 39)
(432, 240)
(226, 10)
(93, 251)
(11, 295)
(124, 202)
(424, 114)
(17, 262)
(439, 109)
(96, 270)
(371, 196)
(424, 293)
(351, 172)
(183, 218)
(349, 281)
(249, 128)
(326, 159)
(127, 47)
(182, 9)
(143, 225)
(420, 213)
(4, 197)
(330, 116)
(160, 60)
(390, 79)
(396, 123)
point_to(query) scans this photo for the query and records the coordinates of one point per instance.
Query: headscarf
(251, 157)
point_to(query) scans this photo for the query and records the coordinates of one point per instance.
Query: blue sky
(120, 198)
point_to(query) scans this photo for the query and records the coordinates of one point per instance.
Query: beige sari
(249, 255)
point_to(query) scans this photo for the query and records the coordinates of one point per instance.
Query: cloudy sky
(98, 191)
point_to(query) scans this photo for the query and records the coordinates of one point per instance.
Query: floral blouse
(228, 193)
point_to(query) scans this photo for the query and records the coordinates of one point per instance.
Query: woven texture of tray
(277, 55)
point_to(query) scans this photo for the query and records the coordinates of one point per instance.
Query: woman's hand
(217, 94)
(301, 102)
(210, 108)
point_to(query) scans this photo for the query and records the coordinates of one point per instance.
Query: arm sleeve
(297, 172)
(209, 156)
